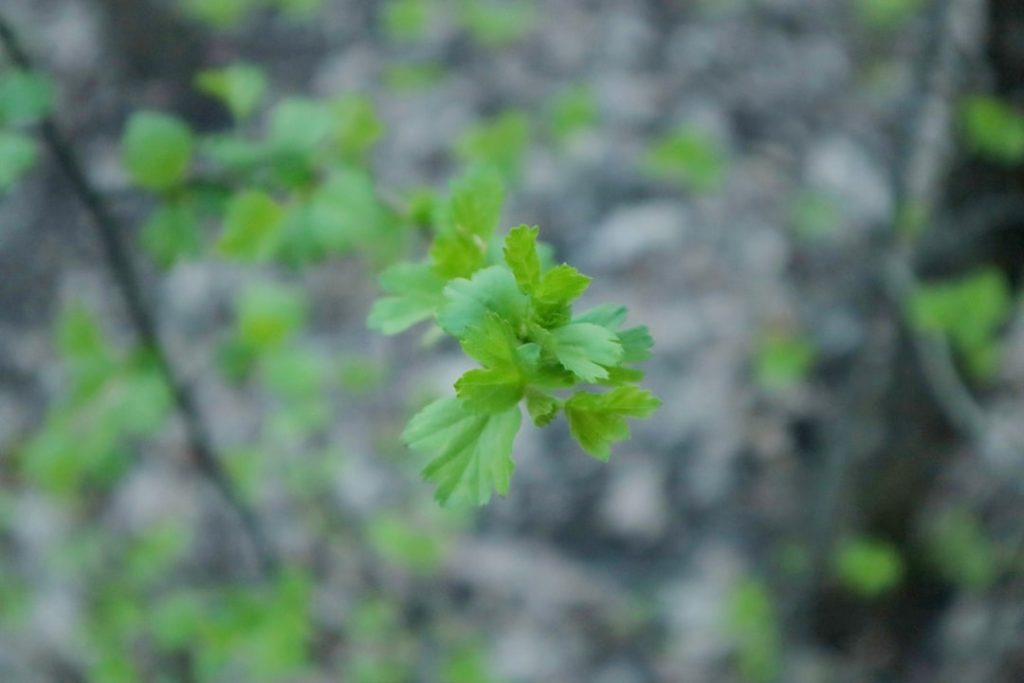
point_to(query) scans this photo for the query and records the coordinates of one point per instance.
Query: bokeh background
(816, 207)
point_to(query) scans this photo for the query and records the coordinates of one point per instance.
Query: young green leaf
(156, 150)
(417, 294)
(473, 452)
(585, 349)
(469, 301)
(490, 390)
(597, 421)
(521, 256)
(637, 343)
(493, 342)
(543, 408)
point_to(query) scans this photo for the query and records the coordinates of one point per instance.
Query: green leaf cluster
(513, 314)
(112, 398)
(298, 193)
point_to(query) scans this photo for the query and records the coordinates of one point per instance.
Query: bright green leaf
(521, 256)
(473, 453)
(489, 290)
(585, 349)
(597, 421)
(490, 390)
(416, 295)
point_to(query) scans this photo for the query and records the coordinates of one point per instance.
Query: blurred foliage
(25, 99)
(783, 359)
(500, 142)
(496, 23)
(970, 311)
(690, 157)
(111, 397)
(888, 14)
(419, 76)
(814, 215)
(994, 129)
(961, 551)
(225, 14)
(752, 623)
(241, 87)
(868, 567)
(571, 112)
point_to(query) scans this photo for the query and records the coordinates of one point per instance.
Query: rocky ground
(609, 573)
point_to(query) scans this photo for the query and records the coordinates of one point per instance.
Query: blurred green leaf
(172, 233)
(814, 215)
(219, 13)
(240, 87)
(401, 542)
(252, 225)
(419, 76)
(493, 23)
(268, 314)
(969, 310)
(783, 360)
(868, 567)
(407, 20)
(25, 97)
(500, 142)
(886, 14)
(961, 550)
(752, 623)
(356, 127)
(690, 157)
(17, 156)
(156, 150)
(572, 111)
(994, 129)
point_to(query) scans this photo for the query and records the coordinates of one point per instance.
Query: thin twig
(129, 285)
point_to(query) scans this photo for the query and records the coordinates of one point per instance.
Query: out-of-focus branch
(129, 285)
